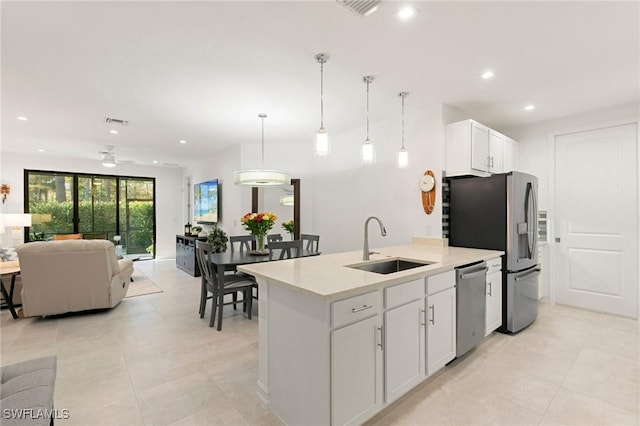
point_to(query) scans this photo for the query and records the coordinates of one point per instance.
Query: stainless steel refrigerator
(499, 212)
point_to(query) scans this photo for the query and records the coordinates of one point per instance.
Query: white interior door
(597, 219)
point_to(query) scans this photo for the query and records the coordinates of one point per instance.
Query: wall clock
(428, 188)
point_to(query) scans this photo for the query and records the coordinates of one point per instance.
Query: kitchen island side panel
(299, 356)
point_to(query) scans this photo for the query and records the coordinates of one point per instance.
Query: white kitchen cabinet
(496, 152)
(510, 155)
(473, 148)
(356, 372)
(441, 320)
(493, 318)
(404, 348)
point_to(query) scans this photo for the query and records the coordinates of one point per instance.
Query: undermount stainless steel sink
(389, 266)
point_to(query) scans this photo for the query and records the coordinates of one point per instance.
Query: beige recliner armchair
(71, 276)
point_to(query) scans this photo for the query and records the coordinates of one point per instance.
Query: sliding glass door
(97, 206)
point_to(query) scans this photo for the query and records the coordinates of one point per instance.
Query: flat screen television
(206, 202)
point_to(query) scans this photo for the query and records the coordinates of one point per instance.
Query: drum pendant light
(261, 176)
(368, 150)
(322, 147)
(403, 155)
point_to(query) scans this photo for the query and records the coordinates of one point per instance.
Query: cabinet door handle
(492, 161)
(381, 344)
(423, 317)
(489, 284)
(433, 314)
(363, 308)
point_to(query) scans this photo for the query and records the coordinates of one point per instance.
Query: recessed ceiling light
(40, 150)
(22, 118)
(183, 141)
(529, 107)
(406, 13)
(155, 161)
(487, 75)
(113, 132)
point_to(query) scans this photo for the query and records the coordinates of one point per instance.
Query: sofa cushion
(27, 391)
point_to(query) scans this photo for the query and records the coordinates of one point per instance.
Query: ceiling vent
(361, 7)
(110, 120)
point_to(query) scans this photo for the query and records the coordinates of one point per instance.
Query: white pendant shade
(403, 159)
(368, 153)
(261, 177)
(322, 143)
(286, 200)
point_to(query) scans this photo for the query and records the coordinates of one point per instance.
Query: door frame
(551, 211)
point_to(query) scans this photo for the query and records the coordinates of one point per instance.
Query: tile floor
(153, 361)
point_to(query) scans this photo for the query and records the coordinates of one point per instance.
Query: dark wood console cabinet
(186, 254)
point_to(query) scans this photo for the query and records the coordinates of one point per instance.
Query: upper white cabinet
(473, 148)
(510, 156)
(496, 152)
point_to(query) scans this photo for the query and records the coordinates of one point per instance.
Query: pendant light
(403, 155)
(368, 150)
(322, 138)
(261, 176)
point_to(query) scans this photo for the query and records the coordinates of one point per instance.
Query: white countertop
(327, 275)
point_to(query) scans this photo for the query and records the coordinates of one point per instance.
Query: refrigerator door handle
(527, 274)
(528, 198)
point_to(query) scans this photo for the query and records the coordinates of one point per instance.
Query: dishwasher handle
(474, 274)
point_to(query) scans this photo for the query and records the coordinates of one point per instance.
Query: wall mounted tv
(206, 202)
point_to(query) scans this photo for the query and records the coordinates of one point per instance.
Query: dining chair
(244, 242)
(313, 242)
(273, 237)
(285, 248)
(231, 284)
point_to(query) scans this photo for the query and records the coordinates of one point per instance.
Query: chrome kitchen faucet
(383, 232)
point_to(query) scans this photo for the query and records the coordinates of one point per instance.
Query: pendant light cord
(403, 96)
(322, 94)
(368, 80)
(262, 116)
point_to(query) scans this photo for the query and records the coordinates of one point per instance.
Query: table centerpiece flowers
(287, 225)
(258, 224)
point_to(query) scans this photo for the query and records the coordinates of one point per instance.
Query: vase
(291, 235)
(260, 244)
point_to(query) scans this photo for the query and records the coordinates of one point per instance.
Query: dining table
(229, 261)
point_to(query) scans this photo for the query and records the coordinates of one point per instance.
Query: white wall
(337, 192)
(170, 210)
(538, 158)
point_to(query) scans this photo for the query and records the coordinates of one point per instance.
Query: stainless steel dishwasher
(470, 298)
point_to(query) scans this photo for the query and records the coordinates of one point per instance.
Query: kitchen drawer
(440, 282)
(355, 309)
(494, 265)
(403, 293)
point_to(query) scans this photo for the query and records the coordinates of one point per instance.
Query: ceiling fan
(108, 158)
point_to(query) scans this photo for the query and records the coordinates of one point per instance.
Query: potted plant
(196, 229)
(218, 239)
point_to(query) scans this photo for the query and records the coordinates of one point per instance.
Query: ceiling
(202, 71)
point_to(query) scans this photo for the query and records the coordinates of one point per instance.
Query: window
(98, 206)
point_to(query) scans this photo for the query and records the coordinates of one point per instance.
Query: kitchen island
(338, 344)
